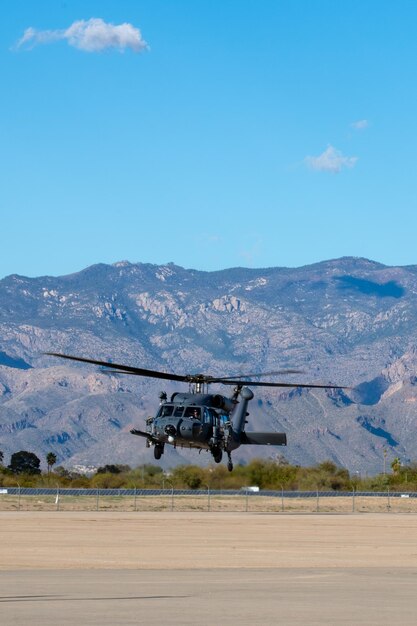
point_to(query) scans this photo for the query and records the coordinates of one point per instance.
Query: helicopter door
(204, 429)
(193, 412)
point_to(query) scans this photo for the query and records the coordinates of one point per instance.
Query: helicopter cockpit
(205, 415)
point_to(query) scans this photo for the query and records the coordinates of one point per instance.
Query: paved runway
(210, 597)
(208, 569)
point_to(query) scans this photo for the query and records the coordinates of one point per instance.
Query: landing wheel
(230, 466)
(158, 452)
(217, 456)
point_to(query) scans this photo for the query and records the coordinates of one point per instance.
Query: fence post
(18, 497)
(317, 502)
(353, 499)
(247, 500)
(57, 498)
(135, 508)
(388, 500)
(282, 498)
(172, 493)
(208, 497)
(97, 499)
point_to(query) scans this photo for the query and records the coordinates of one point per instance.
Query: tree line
(24, 469)
(25, 462)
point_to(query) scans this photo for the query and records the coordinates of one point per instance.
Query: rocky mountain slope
(348, 321)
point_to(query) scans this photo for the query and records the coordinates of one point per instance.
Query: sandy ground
(207, 568)
(202, 540)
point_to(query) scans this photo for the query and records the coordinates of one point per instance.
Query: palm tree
(396, 465)
(51, 460)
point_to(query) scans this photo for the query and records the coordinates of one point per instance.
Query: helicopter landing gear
(229, 463)
(217, 455)
(158, 451)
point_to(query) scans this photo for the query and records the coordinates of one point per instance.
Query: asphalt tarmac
(208, 569)
(210, 597)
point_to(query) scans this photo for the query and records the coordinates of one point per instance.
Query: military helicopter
(201, 420)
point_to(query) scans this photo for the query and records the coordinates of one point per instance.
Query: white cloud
(360, 124)
(331, 160)
(93, 35)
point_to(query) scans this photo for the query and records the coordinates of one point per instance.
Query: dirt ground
(107, 540)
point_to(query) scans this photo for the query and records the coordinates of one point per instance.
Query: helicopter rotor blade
(190, 378)
(123, 369)
(276, 373)
(250, 383)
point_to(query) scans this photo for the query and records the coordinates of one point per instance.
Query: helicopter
(199, 419)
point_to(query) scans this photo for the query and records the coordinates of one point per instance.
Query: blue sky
(210, 134)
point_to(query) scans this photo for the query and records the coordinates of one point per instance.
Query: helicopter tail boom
(238, 415)
(263, 439)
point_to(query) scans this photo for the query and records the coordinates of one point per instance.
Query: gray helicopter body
(201, 420)
(206, 422)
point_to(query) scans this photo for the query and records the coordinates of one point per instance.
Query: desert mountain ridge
(348, 321)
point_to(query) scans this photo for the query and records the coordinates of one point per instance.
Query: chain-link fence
(243, 500)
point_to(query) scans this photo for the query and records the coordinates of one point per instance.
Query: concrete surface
(208, 569)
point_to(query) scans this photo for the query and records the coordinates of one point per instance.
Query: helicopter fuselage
(191, 420)
(201, 420)
(206, 422)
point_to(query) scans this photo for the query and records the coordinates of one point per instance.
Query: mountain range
(348, 321)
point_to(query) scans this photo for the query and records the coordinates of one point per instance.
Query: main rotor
(198, 381)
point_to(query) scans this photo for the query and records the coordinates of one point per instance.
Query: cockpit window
(178, 411)
(193, 412)
(165, 410)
